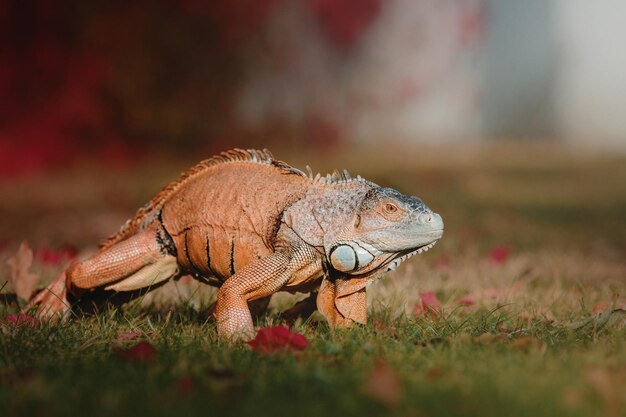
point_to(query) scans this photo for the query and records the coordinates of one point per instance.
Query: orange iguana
(252, 226)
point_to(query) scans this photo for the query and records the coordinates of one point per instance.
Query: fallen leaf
(606, 387)
(442, 262)
(434, 373)
(493, 294)
(57, 256)
(499, 254)
(484, 294)
(601, 306)
(573, 397)
(527, 343)
(487, 338)
(22, 281)
(186, 384)
(277, 339)
(429, 304)
(141, 352)
(21, 319)
(382, 384)
(467, 300)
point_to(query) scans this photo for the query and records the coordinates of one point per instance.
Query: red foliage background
(112, 79)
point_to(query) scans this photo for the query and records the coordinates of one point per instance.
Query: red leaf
(383, 384)
(499, 254)
(467, 300)
(429, 304)
(186, 384)
(442, 262)
(21, 319)
(56, 256)
(141, 352)
(276, 339)
(489, 294)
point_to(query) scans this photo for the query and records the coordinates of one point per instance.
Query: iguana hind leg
(134, 263)
(51, 302)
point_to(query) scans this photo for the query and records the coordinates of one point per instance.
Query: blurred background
(115, 79)
(510, 112)
(507, 117)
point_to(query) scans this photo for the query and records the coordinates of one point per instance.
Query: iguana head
(388, 228)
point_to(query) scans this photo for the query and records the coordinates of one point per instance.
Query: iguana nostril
(436, 221)
(425, 218)
(431, 219)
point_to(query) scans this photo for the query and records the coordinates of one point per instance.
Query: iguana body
(254, 226)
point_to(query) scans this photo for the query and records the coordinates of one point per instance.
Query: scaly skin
(253, 226)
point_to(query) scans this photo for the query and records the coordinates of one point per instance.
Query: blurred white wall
(449, 70)
(418, 67)
(590, 90)
(412, 75)
(519, 69)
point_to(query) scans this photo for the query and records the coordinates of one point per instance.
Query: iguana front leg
(343, 301)
(259, 279)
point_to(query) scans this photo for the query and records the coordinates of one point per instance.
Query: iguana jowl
(253, 226)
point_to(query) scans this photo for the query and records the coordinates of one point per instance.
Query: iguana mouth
(394, 261)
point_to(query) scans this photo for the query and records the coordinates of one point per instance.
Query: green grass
(445, 367)
(518, 353)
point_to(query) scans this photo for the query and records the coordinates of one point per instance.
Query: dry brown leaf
(21, 279)
(573, 397)
(487, 338)
(604, 305)
(383, 384)
(527, 343)
(434, 373)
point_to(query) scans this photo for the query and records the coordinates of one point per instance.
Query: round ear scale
(346, 258)
(363, 256)
(343, 258)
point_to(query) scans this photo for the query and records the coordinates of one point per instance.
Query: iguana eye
(391, 208)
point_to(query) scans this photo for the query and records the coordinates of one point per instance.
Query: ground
(510, 314)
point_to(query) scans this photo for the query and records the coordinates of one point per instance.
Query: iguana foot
(51, 302)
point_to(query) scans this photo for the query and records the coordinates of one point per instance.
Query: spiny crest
(336, 177)
(242, 155)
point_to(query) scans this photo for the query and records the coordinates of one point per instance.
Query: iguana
(252, 225)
